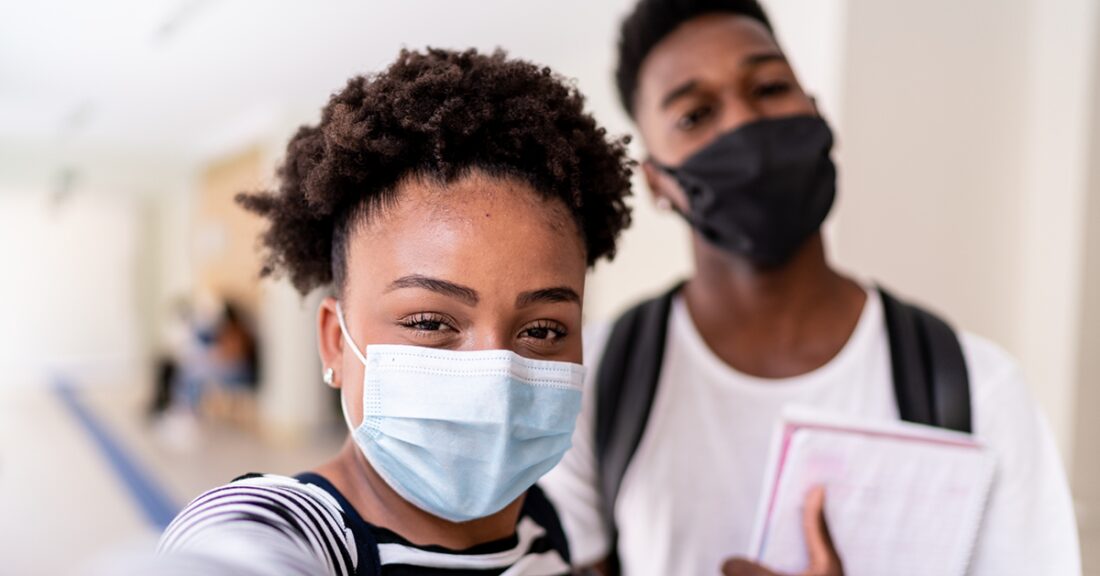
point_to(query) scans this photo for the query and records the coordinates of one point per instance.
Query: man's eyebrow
(749, 61)
(556, 294)
(678, 92)
(437, 285)
(762, 58)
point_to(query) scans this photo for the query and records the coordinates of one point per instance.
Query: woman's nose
(490, 339)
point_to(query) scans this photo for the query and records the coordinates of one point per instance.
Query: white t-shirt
(688, 499)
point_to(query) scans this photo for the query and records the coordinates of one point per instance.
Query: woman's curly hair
(438, 114)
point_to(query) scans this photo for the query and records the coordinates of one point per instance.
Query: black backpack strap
(930, 377)
(626, 383)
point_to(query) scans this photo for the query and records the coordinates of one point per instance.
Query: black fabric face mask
(761, 190)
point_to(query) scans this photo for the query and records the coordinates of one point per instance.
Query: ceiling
(178, 80)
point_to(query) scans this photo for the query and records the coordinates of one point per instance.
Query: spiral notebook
(900, 498)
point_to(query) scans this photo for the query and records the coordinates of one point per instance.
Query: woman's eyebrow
(556, 294)
(466, 294)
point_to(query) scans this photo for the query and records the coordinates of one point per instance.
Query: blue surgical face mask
(463, 434)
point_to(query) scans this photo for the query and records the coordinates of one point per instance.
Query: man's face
(708, 77)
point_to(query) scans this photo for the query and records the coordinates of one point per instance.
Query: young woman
(451, 205)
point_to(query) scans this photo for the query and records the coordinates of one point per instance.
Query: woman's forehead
(472, 193)
(480, 227)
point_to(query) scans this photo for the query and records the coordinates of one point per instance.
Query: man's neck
(381, 506)
(772, 322)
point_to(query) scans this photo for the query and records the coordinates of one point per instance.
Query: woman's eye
(693, 118)
(538, 333)
(544, 331)
(426, 323)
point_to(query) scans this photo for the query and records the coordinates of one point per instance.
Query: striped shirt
(267, 525)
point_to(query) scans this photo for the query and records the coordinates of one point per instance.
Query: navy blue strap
(370, 564)
(538, 507)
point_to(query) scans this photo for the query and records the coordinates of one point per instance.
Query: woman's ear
(664, 189)
(330, 343)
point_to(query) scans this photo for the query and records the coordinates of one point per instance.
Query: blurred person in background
(173, 344)
(199, 361)
(209, 369)
(452, 205)
(234, 360)
(736, 147)
(183, 371)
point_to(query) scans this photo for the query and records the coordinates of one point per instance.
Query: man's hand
(824, 560)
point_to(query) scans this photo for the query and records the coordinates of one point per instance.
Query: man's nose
(736, 112)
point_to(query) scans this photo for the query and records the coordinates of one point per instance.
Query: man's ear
(663, 188)
(330, 341)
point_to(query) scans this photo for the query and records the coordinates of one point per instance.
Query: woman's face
(480, 264)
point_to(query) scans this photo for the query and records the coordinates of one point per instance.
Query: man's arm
(1029, 526)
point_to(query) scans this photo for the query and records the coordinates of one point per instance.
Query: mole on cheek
(486, 214)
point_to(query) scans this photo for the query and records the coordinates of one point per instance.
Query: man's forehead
(710, 45)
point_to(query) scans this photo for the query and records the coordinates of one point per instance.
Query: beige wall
(1086, 473)
(964, 165)
(225, 235)
(930, 156)
(1062, 91)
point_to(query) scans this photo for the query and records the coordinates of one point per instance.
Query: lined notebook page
(900, 499)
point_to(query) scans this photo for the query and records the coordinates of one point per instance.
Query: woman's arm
(260, 526)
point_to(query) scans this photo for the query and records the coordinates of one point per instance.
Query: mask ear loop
(685, 182)
(675, 175)
(347, 335)
(358, 354)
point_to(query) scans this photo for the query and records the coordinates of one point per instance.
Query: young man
(736, 146)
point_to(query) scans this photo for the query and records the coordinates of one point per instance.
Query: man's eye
(771, 89)
(693, 118)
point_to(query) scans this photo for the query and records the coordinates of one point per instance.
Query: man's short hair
(652, 20)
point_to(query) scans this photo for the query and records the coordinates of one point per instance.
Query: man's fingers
(819, 545)
(742, 567)
(824, 560)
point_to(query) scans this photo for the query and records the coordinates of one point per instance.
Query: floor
(64, 505)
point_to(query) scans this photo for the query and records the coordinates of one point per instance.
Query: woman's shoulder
(273, 491)
(266, 510)
(279, 484)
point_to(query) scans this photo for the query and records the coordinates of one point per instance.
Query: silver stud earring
(663, 204)
(329, 373)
